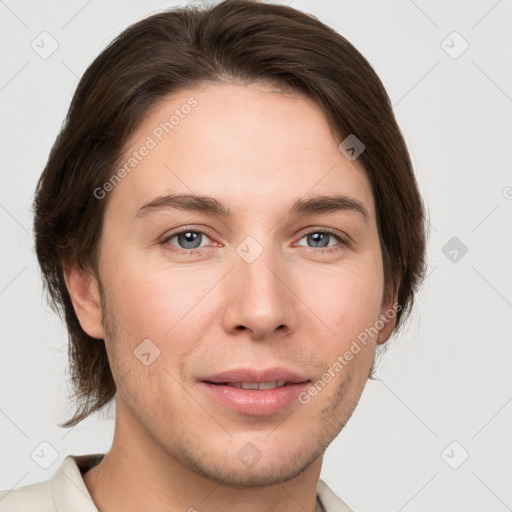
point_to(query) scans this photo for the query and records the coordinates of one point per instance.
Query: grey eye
(319, 239)
(188, 239)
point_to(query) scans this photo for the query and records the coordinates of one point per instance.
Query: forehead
(250, 146)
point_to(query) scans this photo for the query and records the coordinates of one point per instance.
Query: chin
(274, 467)
(262, 476)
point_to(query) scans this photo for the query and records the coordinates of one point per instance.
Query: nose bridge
(260, 301)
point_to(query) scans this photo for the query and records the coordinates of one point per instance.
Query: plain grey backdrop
(435, 432)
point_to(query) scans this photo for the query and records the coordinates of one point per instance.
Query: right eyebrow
(186, 202)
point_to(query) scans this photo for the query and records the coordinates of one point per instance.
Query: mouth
(253, 385)
(256, 392)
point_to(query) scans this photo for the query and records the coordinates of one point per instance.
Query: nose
(259, 296)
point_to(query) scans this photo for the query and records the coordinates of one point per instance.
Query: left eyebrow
(300, 208)
(329, 204)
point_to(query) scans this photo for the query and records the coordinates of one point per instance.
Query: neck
(139, 474)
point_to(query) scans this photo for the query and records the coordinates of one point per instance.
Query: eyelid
(164, 239)
(342, 238)
(184, 229)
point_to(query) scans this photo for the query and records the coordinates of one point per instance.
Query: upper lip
(254, 375)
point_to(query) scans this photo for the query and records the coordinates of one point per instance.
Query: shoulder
(65, 491)
(329, 500)
(30, 498)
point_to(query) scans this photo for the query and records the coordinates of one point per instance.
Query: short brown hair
(238, 41)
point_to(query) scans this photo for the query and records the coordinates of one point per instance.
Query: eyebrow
(206, 204)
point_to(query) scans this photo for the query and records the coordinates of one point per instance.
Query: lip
(255, 402)
(255, 375)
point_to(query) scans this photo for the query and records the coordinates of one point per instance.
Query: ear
(388, 314)
(83, 288)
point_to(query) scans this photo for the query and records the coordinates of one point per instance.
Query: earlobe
(388, 318)
(83, 287)
(385, 332)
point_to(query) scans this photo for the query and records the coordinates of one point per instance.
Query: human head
(233, 42)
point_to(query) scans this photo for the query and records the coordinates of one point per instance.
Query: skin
(256, 150)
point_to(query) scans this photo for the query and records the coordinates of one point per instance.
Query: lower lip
(256, 401)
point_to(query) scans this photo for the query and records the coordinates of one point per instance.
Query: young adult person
(230, 223)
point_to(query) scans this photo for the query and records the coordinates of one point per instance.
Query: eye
(194, 241)
(187, 240)
(322, 240)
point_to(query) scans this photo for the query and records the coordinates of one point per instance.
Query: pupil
(190, 239)
(317, 239)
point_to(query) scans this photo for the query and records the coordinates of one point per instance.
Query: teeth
(258, 385)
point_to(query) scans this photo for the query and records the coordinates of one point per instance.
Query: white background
(446, 378)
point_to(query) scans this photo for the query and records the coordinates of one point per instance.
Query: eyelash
(198, 251)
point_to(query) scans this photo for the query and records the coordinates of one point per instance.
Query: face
(203, 295)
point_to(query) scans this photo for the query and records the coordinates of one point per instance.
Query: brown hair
(236, 40)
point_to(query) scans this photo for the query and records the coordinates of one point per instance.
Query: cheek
(159, 304)
(162, 302)
(346, 299)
